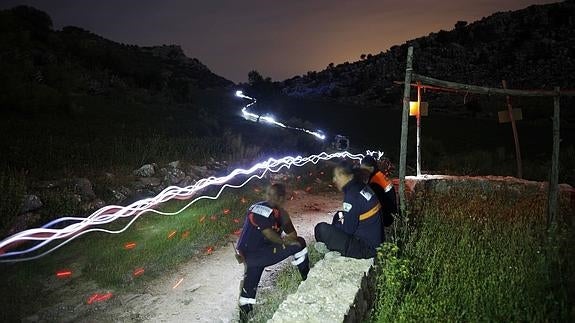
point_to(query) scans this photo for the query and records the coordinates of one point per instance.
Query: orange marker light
(172, 234)
(209, 250)
(138, 272)
(227, 211)
(243, 200)
(185, 234)
(238, 232)
(130, 245)
(64, 274)
(236, 220)
(202, 219)
(99, 298)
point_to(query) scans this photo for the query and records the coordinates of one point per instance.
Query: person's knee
(319, 231)
(302, 242)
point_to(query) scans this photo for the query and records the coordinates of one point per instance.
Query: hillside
(530, 48)
(42, 69)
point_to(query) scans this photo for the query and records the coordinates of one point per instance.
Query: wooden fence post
(554, 180)
(418, 120)
(515, 135)
(404, 121)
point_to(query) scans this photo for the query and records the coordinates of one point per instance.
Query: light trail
(271, 120)
(46, 234)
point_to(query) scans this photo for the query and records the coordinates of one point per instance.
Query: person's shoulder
(261, 208)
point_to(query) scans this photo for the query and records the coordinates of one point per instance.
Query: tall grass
(479, 256)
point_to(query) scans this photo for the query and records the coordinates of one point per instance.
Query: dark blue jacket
(260, 216)
(361, 216)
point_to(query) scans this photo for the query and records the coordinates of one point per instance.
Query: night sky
(280, 39)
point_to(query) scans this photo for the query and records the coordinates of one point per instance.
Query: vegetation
(123, 263)
(478, 256)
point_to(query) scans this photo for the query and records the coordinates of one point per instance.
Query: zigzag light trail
(254, 117)
(108, 214)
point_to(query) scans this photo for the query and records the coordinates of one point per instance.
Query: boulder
(83, 187)
(174, 176)
(174, 164)
(147, 170)
(30, 203)
(93, 205)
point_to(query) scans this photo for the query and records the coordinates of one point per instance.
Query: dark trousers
(257, 260)
(337, 240)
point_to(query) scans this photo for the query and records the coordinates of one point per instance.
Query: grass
(157, 244)
(478, 256)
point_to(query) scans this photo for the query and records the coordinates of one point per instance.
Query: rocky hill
(43, 69)
(530, 48)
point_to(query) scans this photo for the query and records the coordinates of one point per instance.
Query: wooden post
(515, 135)
(554, 180)
(418, 118)
(404, 121)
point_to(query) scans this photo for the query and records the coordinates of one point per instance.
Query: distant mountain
(42, 68)
(530, 48)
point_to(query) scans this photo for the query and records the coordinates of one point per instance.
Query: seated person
(356, 230)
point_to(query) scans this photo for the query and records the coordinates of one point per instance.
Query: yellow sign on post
(413, 106)
(504, 115)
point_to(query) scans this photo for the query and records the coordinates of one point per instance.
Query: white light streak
(271, 120)
(46, 235)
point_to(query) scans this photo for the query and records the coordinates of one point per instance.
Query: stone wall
(337, 290)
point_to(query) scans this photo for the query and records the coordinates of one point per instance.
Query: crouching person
(356, 230)
(261, 244)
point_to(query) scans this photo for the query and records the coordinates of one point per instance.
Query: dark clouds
(278, 38)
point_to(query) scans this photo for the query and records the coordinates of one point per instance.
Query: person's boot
(245, 312)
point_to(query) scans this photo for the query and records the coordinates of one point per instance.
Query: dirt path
(209, 286)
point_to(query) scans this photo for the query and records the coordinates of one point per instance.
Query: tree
(362, 56)
(460, 24)
(255, 78)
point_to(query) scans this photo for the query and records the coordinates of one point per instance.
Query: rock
(121, 193)
(145, 171)
(199, 171)
(174, 176)
(329, 292)
(147, 182)
(93, 205)
(174, 164)
(187, 181)
(30, 203)
(83, 187)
